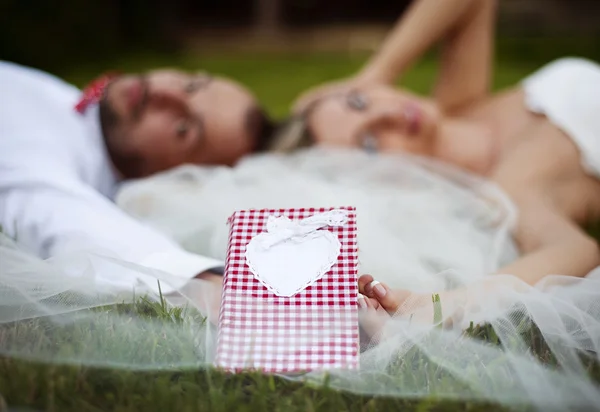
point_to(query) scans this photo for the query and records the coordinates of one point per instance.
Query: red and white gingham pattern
(316, 329)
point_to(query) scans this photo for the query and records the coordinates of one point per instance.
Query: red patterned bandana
(94, 91)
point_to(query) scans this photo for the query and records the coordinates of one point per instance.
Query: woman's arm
(466, 29)
(467, 57)
(424, 23)
(550, 244)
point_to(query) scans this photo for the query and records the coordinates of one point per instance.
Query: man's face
(166, 118)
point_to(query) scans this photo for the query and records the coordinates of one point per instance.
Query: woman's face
(378, 119)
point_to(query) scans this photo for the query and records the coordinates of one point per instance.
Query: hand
(203, 292)
(327, 89)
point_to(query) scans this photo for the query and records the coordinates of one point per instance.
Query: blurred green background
(278, 48)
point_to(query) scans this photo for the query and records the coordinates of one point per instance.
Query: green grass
(70, 387)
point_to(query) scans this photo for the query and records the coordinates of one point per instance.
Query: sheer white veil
(422, 226)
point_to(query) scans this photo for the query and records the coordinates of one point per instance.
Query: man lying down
(64, 153)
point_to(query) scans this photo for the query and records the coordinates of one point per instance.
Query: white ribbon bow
(280, 228)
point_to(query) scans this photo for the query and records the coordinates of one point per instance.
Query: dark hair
(260, 126)
(129, 163)
(108, 117)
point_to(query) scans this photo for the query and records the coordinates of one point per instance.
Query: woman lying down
(538, 141)
(430, 216)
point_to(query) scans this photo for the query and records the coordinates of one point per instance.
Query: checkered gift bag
(313, 328)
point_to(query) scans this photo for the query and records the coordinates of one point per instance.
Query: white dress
(416, 218)
(567, 92)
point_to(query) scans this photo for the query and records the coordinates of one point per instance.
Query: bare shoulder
(505, 113)
(544, 166)
(535, 155)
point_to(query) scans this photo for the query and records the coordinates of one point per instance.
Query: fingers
(362, 301)
(360, 80)
(364, 285)
(380, 296)
(303, 102)
(375, 304)
(372, 320)
(385, 116)
(366, 303)
(308, 98)
(388, 299)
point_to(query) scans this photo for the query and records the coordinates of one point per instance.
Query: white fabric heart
(292, 255)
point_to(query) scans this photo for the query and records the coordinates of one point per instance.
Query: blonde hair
(292, 134)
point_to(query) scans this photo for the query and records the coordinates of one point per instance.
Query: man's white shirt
(57, 182)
